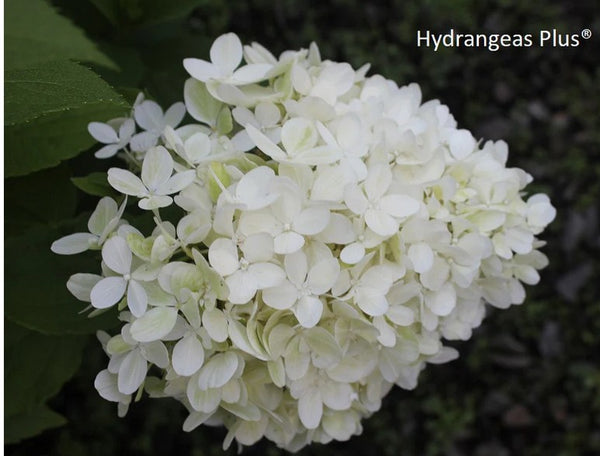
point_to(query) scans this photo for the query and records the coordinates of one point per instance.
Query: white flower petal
(107, 151)
(341, 426)
(277, 372)
(445, 355)
(223, 256)
(154, 324)
(325, 350)
(215, 323)
(267, 114)
(157, 168)
(265, 144)
(520, 240)
(322, 276)
(330, 182)
(377, 182)
(381, 223)
(126, 182)
(436, 276)
(239, 338)
(540, 212)
(81, 285)
(391, 363)
(132, 372)
(441, 302)
(527, 274)
(278, 339)
(287, 208)
(288, 242)
(250, 73)
(188, 355)
(143, 141)
(258, 247)
(197, 147)
(280, 297)
(296, 362)
(226, 52)
(462, 144)
(199, 102)
(200, 69)
(244, 116)
(308, 311)
(401, 315)
(355, 199)
(137, 299)
(253, 190)
(353, 253)
(175, 114)
(242, 286)
(194, 420)
(488, 220)
(73, 243)
(320, 155)
(107, 292)
(399, 205)
(149, 115)
(105, 212)
(117, 255)
(177, 182)
(421, 256)
(155, 202)
(126, 130)
(298, 134)
(310, 409)
(155, 353)
(218, 370)
(106, 385)
(338, 231)
(371, 301)
(103, 133)
(194, 227)
(337, 395)
(205, 401)
(266, 274)
(311, 221)
(301, 80)
(296, 267)
(387, 335)
(258, 222)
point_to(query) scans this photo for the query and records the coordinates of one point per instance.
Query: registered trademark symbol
(586, 34)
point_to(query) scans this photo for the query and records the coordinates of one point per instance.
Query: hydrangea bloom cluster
(333, 231)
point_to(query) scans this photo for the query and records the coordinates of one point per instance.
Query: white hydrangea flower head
(331, 232)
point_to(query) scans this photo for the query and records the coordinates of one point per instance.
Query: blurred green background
(527, 383)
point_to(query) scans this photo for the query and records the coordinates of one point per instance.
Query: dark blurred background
(528, 382)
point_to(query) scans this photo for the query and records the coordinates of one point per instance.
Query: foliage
(527, 384)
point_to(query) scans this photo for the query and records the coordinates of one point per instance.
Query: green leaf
(121, 12)
(108, 8)
(94, 184)
(28, 424)
(54, 87)
(34, 32)
(47, 110)
(28, 201)
(35, 291)
(36, 367)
